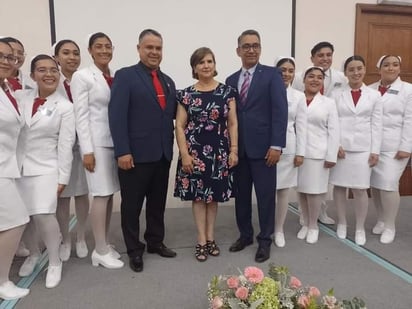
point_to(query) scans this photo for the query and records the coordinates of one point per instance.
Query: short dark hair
(197, 56)
(310, 69)
(149, 32)
(10, 39)
(96, 36)
(321, 45)
(247, 32)
(59, 45)
(284, 60)
(38, 58)
(353, 58)
(2, 40)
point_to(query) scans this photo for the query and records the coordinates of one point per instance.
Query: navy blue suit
(140, 127)
(262, 121)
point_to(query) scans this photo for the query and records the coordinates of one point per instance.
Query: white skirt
(352, 172)
(104, 180)
(313, 177)
(388, 171)
(39, 193)
(13, 212)
(286, 172)
(77, 184)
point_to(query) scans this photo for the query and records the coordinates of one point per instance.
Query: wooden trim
(383, 9)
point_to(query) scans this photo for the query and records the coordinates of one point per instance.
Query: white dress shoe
(106, 260)
(9, 291)
(81, 249)
(280, 239)
(27, 268)
(113, 252)
(341, 231)
(388, 235)
(54, 276)
(324, 218)
(312, 237)
(360, 237)
(378, 228)
(302, 232)
(22, 251)
(64, 251)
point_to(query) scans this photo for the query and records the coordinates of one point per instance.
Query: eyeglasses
(47, 70)
(247, 47)
(9, 58)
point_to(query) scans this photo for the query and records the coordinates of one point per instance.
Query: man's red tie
(37, 103)
(15, 83)
(108, 79)
(159, 89)
(382, 89)
(67, 88)
(13, 100)
(355, 96)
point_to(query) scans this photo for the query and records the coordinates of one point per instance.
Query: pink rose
(233, 282)
(329, 301)
(303, 301)
(242, 293)
(295, 283)
(314, 291)
(254, 274)
(217, 303)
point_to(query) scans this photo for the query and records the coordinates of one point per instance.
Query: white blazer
(60, 88)
(322, 140)
(11, 123)
(361, 125)
(334, 79)
(297, 117)
(91, 96)
(397, 117)
(46, 141)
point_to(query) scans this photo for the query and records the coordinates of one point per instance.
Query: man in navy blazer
(262, 116)
(142, 130)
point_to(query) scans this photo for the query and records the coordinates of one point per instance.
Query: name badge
(393, 91)
(337, 85)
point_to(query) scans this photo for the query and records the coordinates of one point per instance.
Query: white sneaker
(113, 252)
(387, 236)
(360, 237)
(64, 251)
(27, 268)
(81, 249)
(280, 239)
(106, 260)
(302, 232)
(22, 251)
(341, 231)
(9, 291)
(312, 237)
(54, 276)
(378, 228)
(324, 218)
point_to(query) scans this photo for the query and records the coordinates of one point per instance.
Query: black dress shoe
(136, 263)
(239, 245)
(162, 250)
(262, 254)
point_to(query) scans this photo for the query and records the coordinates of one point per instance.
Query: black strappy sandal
(212, 248)
(201, 252)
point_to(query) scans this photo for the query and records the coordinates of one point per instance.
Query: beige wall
(325, 20)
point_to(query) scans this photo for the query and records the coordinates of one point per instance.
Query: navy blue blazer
(263, 118)
(138, 124)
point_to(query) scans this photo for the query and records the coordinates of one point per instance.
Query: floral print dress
(207, 140)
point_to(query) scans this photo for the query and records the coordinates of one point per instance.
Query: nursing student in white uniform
(19, 80)
(360, 122)
(67, 55)
(45, 157)
(396, 145)
(293, 154)
(322, 144)
(322, 56)
(91, 95)
(13, 213)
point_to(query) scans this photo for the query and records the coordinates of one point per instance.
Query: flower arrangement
(279, 290)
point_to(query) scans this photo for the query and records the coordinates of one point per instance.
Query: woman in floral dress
(206, 133)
